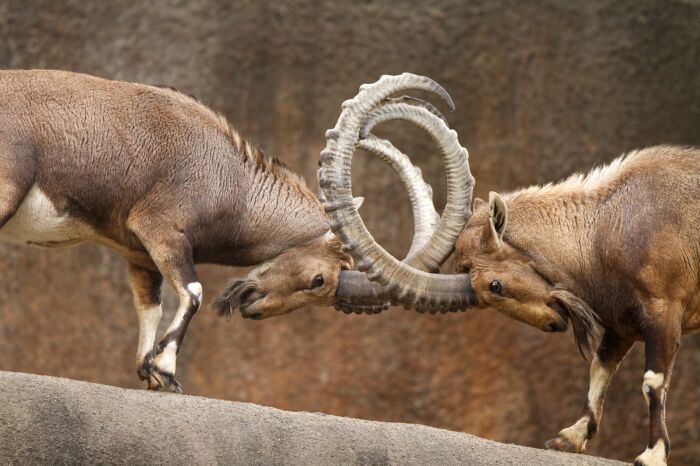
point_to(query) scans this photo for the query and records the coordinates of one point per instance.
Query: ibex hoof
(561, 444)
(157, 378)
(161, 380)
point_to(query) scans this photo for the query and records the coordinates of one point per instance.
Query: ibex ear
(329, 236)
(331, 241)
(498, 218)
(358, 202)
(477, 203)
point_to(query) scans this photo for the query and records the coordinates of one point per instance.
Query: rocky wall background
(542, 89)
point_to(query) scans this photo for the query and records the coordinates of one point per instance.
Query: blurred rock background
(542, 89)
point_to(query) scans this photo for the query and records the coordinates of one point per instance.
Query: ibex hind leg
(146, 286)
(662, 339)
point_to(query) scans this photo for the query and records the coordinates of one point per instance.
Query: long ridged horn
(436, 252)
(408, 99)
(374, 298)
(420, 193)
(405, 284)
(425, 217)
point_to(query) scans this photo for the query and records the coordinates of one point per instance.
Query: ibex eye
(317, 281)
(495, 287)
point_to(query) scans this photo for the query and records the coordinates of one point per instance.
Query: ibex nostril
(245, 294)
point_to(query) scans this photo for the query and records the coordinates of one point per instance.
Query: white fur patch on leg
(167, 359)
(599, 380)
(652, 381)
(195, 289)
(148, 325)
(653, 456)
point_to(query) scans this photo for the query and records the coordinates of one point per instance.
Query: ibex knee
(652, 385)
(194, 290)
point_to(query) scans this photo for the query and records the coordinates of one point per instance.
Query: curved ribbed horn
(425, 217)
(408, 99)
(404, 283)
(420, 193)
(373, 298)
(442, 243)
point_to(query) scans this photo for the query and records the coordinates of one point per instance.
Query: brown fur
(618, 247)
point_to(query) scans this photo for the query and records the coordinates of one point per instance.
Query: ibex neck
(280, 212)
(556, 232)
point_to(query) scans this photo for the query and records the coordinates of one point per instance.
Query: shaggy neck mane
(250, 152)
(262, 163)
(596, 185)
(280, 211)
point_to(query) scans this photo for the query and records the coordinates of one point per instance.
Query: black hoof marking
(146, 367)
(164, 381)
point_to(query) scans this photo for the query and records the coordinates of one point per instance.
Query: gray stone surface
(48, 420)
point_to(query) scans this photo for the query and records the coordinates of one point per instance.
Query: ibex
(613, 253)
(167, 183)
(614, 249)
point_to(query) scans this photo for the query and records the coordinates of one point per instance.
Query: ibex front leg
(611, 352)
(662, 337)
(172, 254)
(146, 286)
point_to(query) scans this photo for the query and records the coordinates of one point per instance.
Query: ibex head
(502, 277)
(315, 273)
(319, 272)
(304, 275)
(507, 280)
